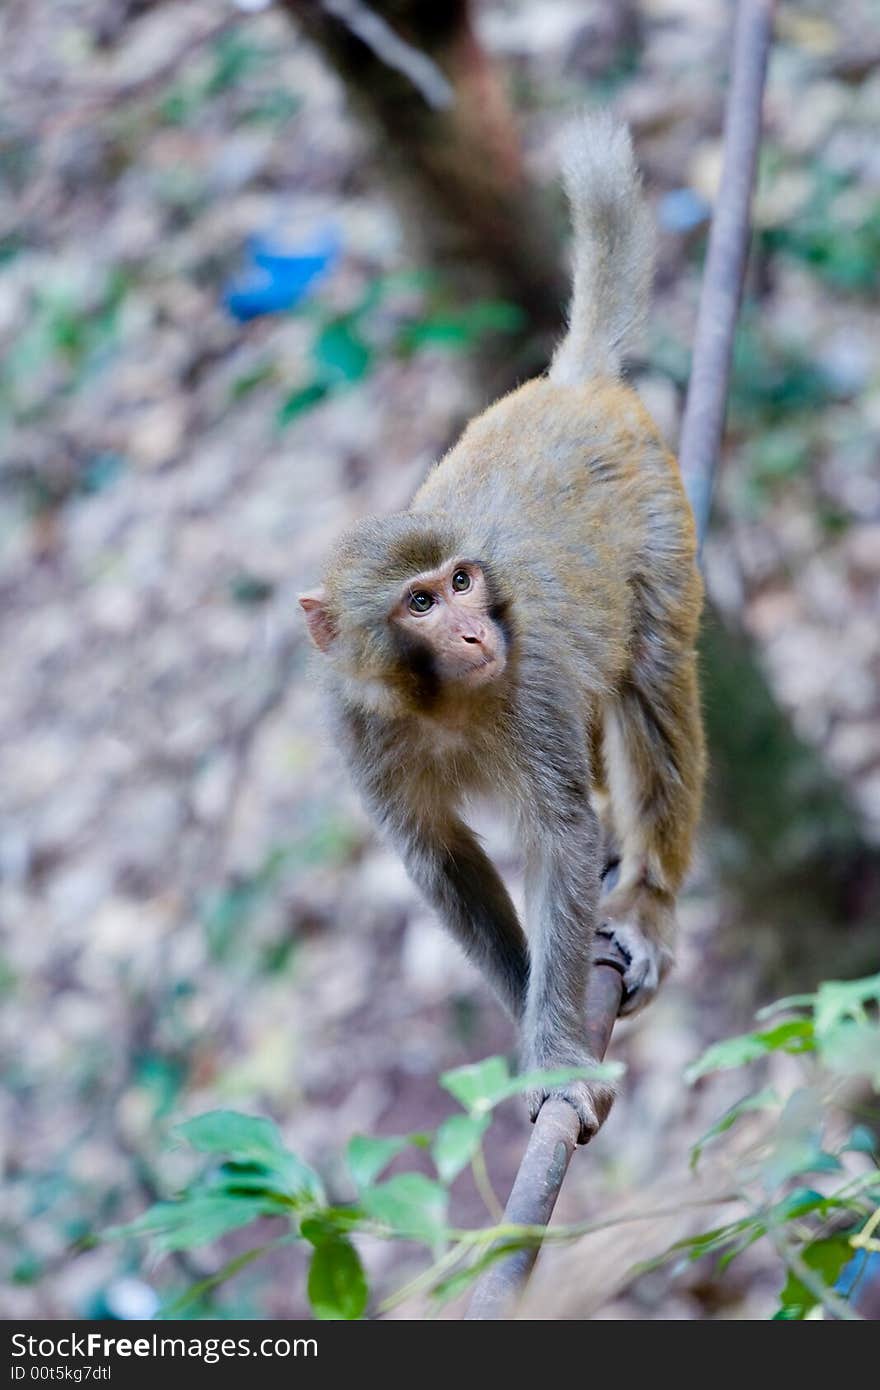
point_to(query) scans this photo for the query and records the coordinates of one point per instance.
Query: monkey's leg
(562, 892)
(654, 760)
(461, 882)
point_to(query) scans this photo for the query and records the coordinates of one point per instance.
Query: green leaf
(761, 1100)
(861, 1140)
(257, 375)
(706, 1243)
(337, 1283)
(786, 1005)
(330, 1222)
(230, 1132)
(477, 1086)
(196, 1220)
(341, 352)
(366, 1157)
(456, 1142)
(229, 912)
(827, 1258)
(251, 1138)
(839, 1000)
(236, 1177)
(449, 331)
(853, 1049)
(411, 1205)
(484, 1084)
(797, 1141)
(802, 1201)
(454, 1284)
(246, 588)
(778, 452)
(495, 316)
(460, 329)
(795, 1035)
(300, 400)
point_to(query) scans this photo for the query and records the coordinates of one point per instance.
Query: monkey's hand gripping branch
(545, 1163)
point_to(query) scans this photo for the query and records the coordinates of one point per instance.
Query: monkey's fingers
(647, 963)
(590, 1100)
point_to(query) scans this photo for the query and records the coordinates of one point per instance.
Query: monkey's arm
(563, 861)
(458, 879)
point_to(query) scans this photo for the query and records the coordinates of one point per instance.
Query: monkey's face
(444, 624)
(406, 640)
(404, 619)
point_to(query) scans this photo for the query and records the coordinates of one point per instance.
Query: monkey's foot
(591, 1101)
(647, 962)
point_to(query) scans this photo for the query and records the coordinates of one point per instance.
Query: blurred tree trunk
(455, 171)
(806, 885)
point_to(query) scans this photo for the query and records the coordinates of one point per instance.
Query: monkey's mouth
(482, 671)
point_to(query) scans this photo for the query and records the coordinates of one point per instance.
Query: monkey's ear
(322, 629)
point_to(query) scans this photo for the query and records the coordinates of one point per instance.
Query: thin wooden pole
(545, 1162)
(726, 258)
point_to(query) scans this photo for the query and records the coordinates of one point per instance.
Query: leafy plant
(773, 379)
(397, 316)
(810, 1183)
(237, 66)
(841, 250)
(253, 1175)
(226, 914)
(70, 335)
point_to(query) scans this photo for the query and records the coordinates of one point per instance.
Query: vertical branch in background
(729, 237)
(449, 151)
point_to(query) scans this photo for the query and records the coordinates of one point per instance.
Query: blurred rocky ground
(194, 911)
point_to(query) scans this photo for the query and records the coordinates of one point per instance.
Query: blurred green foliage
(838, 240)
(253, 1175)
(804, 1138)
(396, 317)
(234, 58)
(71, 333)
(778, 396)
(227, 913)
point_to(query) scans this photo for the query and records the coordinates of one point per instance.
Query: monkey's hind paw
(591, 1101)
(647, 963)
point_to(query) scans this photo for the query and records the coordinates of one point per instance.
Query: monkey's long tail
(613, 250)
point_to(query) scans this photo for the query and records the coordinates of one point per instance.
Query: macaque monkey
(527, 629)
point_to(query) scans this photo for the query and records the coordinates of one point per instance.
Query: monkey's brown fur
(578, 480)
(562, 499)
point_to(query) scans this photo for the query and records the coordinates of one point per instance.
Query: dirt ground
(194, 910)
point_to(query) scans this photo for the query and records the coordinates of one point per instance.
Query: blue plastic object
(275, 279)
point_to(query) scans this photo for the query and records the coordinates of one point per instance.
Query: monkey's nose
(469, 637)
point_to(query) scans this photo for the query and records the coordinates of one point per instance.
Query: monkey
(527, 629)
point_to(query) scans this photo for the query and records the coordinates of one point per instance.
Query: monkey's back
(570, 490)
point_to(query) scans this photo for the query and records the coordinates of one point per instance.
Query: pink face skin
(448, 610)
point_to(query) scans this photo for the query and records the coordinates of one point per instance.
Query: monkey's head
(406, 604)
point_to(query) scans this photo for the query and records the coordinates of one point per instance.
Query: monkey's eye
(421, 601)
(461, 581)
